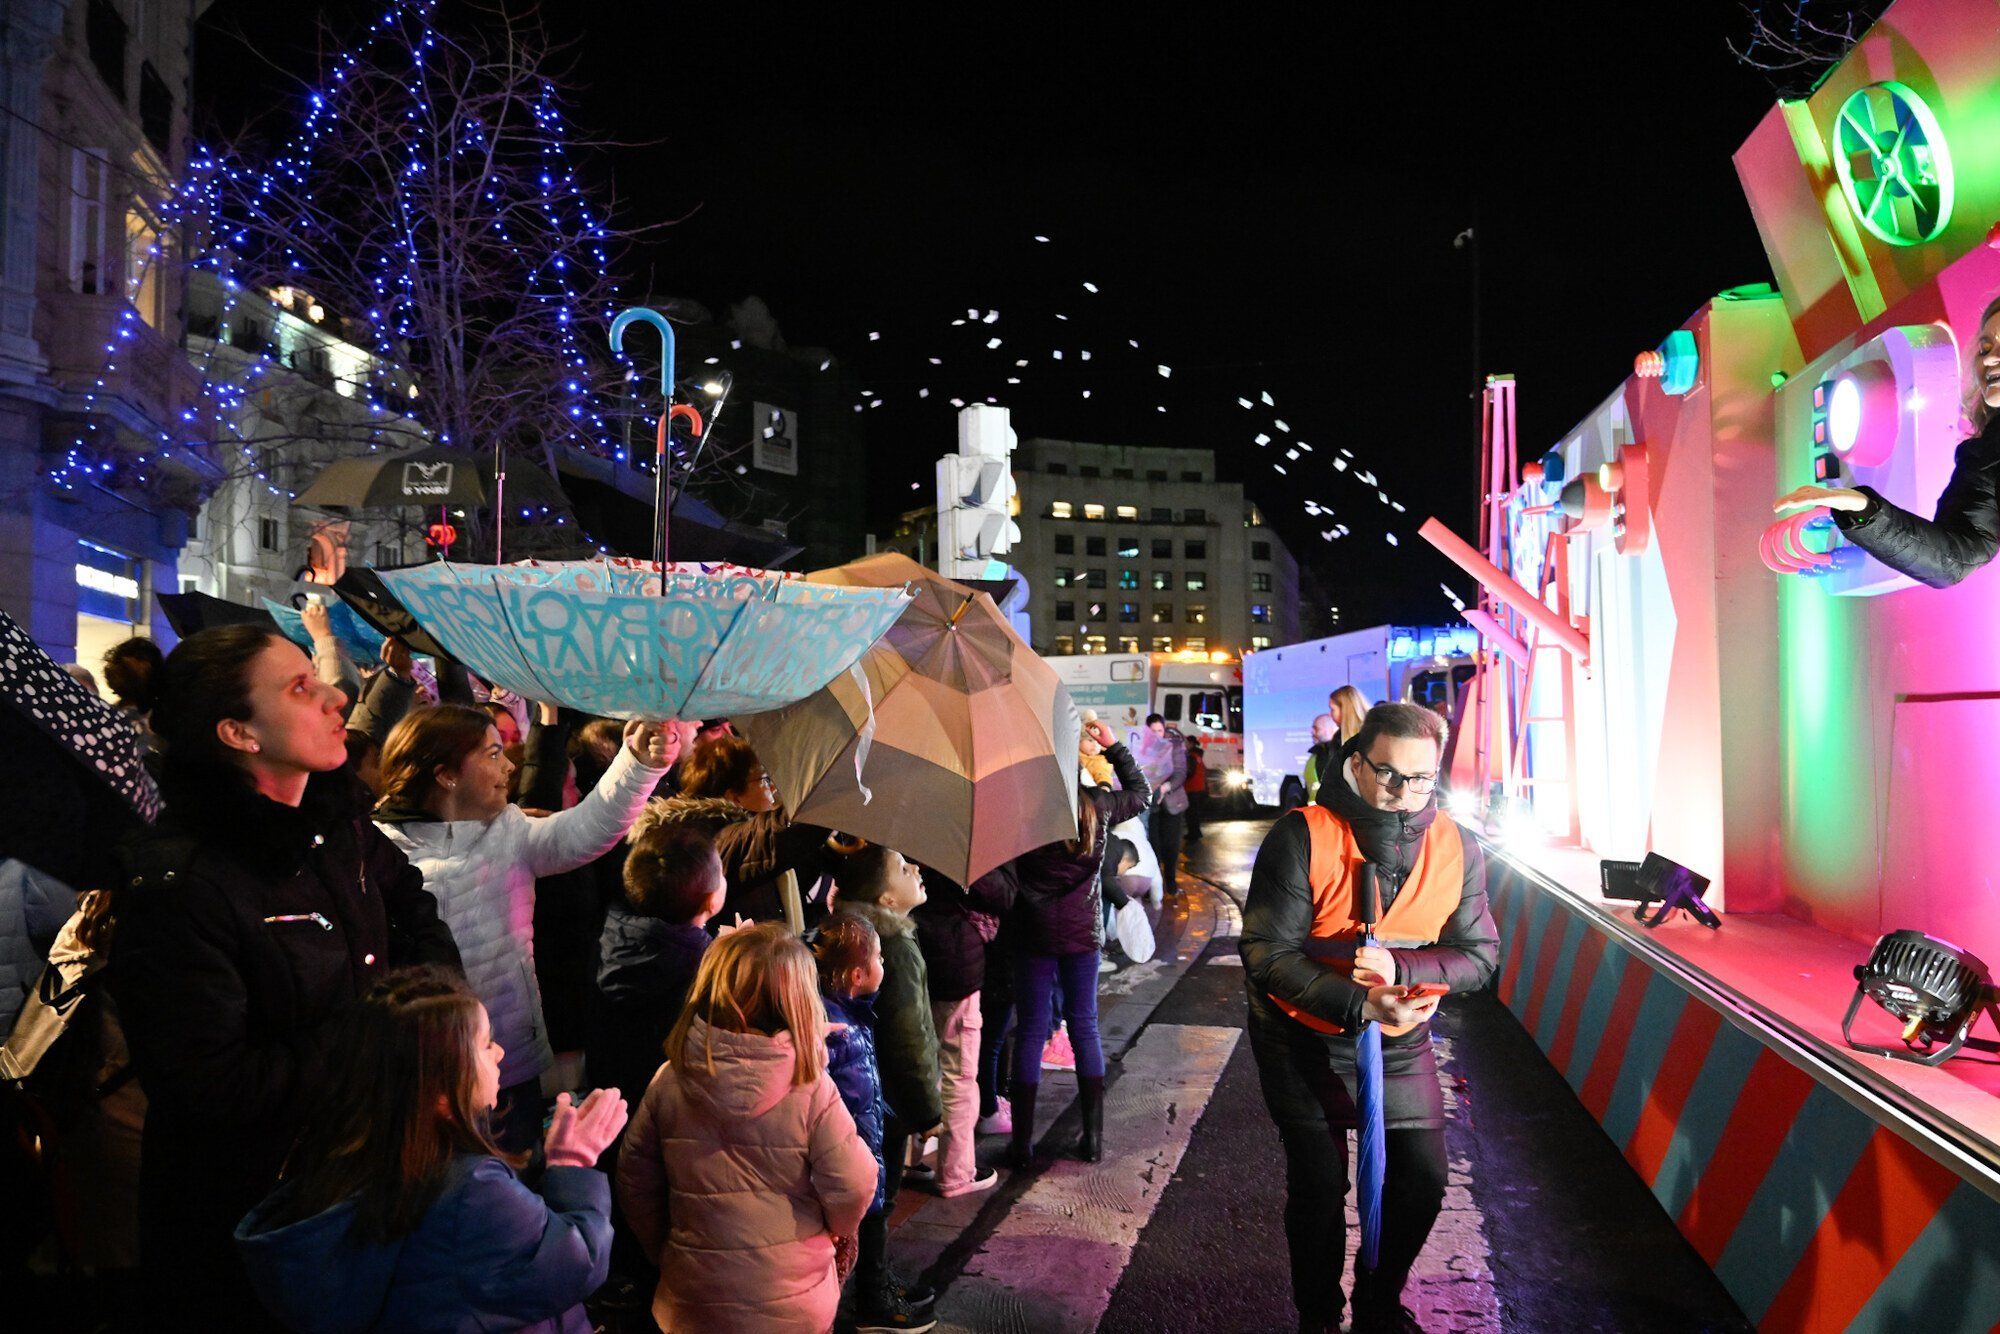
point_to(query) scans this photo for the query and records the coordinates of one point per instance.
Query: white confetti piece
(1043, 239)
(1245, 402)
(1133, 341)
(1056, 355)
(958, 402)
(1279, 468)
(1090, 287)
(1282, 425)
(937, 361)
(1166, 372)
(1022, 362)
(1397, 506)
(874, 337)
(956, 323)
(1013, 379)
(1291, 453)
(1269, 402)
(991, 316)
(1392, 539)
(1340, 465)
(1084, 355)
(992, 343)
(1086, 393)
(923, 393)
(1061, 316)
(1263, 439)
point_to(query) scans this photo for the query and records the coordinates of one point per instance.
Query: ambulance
(1199, 694)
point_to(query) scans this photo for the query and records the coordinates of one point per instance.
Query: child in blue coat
(398, 1212)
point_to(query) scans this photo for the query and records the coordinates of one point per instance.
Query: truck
(1200, 694)
(1284, 689)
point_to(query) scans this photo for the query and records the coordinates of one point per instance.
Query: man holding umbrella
(1339, 1024)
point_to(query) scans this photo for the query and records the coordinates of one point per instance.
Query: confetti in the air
(1392, 539)
(1043, 239)
(1090, 287)
(1282, 425)
(1269, 402)
(992, 343)
(991, 316)
(875, 337)
(1263, 439)
(1166, 372)
(1340, 465)
(1245, 402)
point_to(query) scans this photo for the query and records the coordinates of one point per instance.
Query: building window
(1162, 580)
(156, 110)
(1256, 519)
(1065, 544)
(1163, 548)
(1065, 644)
(1089, 470)
(1093, 578)
(1161, 514)
(1065, 611)
(1194, 516)
(267, 534)
(1197, 581)
(1128, 643)
(1156, 474)
(1260, 583)
(1197, 613)
(1065, 576)
(1193, 644)
(1128, 578)
(1190, 477)
(1260, 551)
(1093, 546)
(1260, 641)
(1128, 513)
(1128, 548)
(1195, 550)
(1163, 613)
(1128, 613)
(387, 555)
(1163, 643)
(1060, 509)
(143, 265)
(1121, 474)
(89, 191)
(1095, 644)
(1093, 511)
(104, 34)
(1260, 613)
(1056, 469)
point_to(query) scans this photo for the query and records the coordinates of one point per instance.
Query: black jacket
(245, 930)
(1277, 920)
(646, 966)
(755, 848)
(1059, 909)
(949, 930)
(1964, 535)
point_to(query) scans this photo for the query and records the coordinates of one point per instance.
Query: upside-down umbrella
(961, 752)
(427, 477)
(1371, 1149)
(86, 729)
(362, 641)
(613, 638)
(192, 612)
(364, 592)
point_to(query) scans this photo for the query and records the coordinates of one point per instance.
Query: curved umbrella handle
(686, 412)
(642, 315)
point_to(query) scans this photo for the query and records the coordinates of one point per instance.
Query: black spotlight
(1933, 987)
(1672, 886)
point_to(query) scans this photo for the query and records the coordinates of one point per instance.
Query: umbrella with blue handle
(1371, 1148)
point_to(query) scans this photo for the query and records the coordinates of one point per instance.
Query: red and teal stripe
(1814, 1214)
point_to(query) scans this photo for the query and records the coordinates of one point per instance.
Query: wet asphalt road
(1572, 1239)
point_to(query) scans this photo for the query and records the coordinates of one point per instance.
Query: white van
(1199, 694)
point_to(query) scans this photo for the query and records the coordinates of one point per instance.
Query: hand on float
(1833, 497)
(655, 745)
(578, 1136)
(1374, 966)
(1392, 1006)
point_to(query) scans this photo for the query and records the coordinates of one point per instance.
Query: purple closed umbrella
(1371, 1149)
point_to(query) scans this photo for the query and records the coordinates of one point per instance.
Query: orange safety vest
(1418, 916)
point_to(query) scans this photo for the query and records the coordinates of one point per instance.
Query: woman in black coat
(252, 916)
(1058, 923)
(1965, 532)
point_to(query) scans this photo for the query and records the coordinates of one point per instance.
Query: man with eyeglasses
(1312, 987)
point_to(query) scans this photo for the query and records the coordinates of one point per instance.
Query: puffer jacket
(483, 874)
(1060, 907)
(646, 967)
(850, 1060)
(490, 1253)
(738, 1181)
(906, 1045)
(755, 847)
(954, 927)
(1963, 535)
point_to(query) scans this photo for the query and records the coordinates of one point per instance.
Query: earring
(254, 748)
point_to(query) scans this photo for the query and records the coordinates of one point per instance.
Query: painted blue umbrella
(1371, 1149)
(362, 641)
(613, 638)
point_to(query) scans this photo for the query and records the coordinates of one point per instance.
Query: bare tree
(426, 211)
(1795, 42)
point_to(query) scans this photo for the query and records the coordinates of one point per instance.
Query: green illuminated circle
(1893, 165)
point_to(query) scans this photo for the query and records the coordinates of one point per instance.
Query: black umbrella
(427, 477)
(191, 611)
(362, 589)
(89, 731)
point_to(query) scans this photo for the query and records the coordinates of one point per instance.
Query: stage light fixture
(1934, 988)
(1672, 886)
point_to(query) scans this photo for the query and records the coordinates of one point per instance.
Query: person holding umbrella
(1363, 908)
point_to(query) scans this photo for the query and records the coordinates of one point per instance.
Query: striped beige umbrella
(973, 755)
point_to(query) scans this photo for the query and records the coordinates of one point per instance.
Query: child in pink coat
(742, 1167)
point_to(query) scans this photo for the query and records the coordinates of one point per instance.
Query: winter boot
(1090, 1097)
(1021, 1149)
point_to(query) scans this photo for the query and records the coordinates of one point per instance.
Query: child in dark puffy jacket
(849, 955)
(651, 946)
(881, 888)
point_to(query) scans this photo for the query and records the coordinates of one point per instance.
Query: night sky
(1266, 201)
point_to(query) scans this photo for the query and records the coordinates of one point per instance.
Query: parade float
(1776, 720)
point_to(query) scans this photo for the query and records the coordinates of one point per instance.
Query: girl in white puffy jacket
(444, 803)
